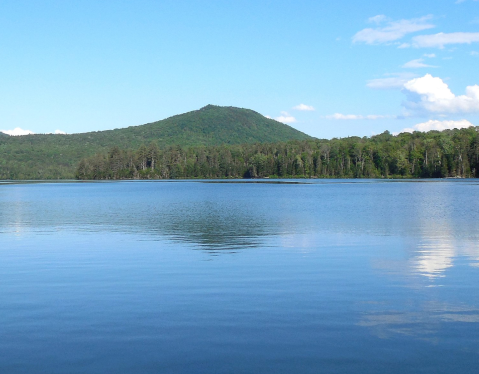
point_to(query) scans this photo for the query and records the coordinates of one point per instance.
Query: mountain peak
(209, 106)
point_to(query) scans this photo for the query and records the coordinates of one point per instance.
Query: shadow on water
(193, 213)
(206, 225)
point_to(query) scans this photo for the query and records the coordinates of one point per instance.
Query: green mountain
(49, 156)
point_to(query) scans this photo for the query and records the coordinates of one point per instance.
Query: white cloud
(441, 39)
(285, 117)
(474, 53)
(429, 55)
(304, 107)
(376, 116)
(268, 116)
(418, 63)
(17, 131)
(430, 94)
(393, 31)
(378, 19)
(339, 116)
(344, 116)
(386, 83)
(439, 125)
(390, 83)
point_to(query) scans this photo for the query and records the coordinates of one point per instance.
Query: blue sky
(364, 67)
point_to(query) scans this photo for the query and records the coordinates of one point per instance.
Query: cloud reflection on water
(433, 257)
(441, 240)
(444, 238)
(422, 321)
(428, 216)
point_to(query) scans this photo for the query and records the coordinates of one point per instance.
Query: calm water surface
(195, 277)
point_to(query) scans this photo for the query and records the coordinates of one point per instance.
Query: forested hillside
(450, 153)
(51, 156)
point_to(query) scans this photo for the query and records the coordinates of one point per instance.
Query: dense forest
(50, 156)
(450, 153)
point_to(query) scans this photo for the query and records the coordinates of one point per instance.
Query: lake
(296, 276)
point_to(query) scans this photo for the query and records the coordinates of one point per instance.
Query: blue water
(193, 277)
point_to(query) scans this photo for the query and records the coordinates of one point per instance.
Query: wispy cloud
(430, 94)
(386, 83)
(285, 117)
(390, 83)
(17, 131)
(442, 39)
(304, 107)
(438, 125)
(392, 31)
(60, 132)
(380, 18)
(418, 63)
(339, 116)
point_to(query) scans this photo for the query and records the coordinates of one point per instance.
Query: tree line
(450, 153)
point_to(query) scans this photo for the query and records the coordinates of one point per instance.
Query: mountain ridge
(55, 156)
